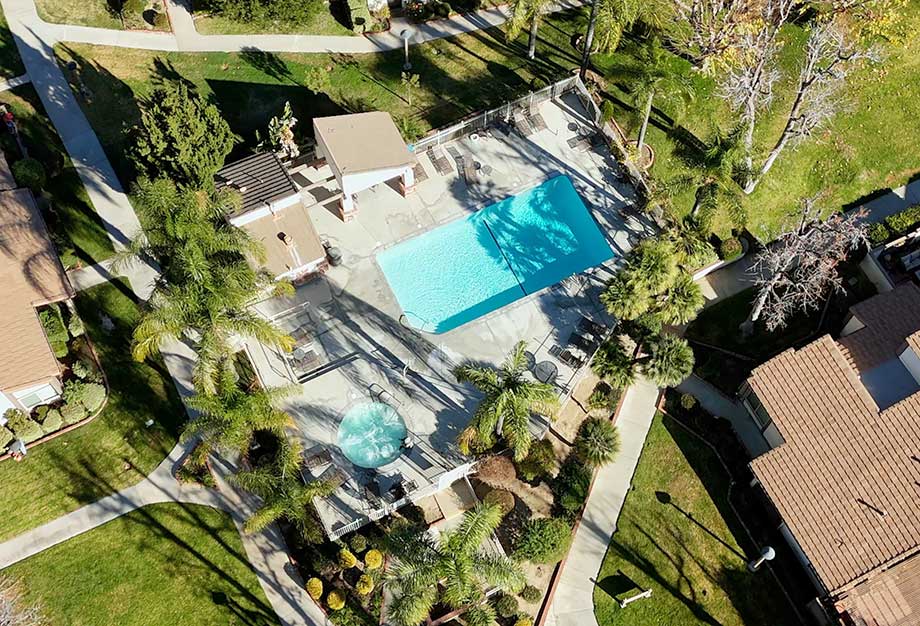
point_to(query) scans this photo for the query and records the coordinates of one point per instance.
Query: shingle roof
(845, 480)
(260, 179)
(888, 318)
(363, 142)
(31, 275)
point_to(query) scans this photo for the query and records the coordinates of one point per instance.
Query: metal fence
(479, 121)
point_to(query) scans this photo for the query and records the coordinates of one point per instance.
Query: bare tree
(14, 611)
(799, 270)
(829, 57)
(710, 27)
(747, 84)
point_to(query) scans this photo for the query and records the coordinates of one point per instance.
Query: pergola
(363, 150)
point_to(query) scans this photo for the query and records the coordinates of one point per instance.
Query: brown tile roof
(31, 275)
(891, 598)
(843, 462)
(362, 142)
(888, 318)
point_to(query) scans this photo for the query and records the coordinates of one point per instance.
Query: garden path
(573, 601)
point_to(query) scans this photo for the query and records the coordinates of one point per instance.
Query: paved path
(573, 602)
(91, 275)
(185, 38)
(11, 83)
(720, 405)
(892, 202)
(160, 486)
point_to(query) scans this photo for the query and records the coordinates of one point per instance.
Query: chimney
(285, 238)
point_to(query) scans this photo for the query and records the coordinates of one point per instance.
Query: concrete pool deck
(355, 318)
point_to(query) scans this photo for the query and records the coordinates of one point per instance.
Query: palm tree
(613, 17)
(283, 491)
(714, 171)
(614, 364)
(214, 315)
(524, 13)
(669, 362)
(648, 74)
(452, 569)
(228, 419)
(597, 442)
(510, 399)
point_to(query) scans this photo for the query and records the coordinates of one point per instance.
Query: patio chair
(571, 359)
(522, 125)
(419, 171)
(590, 326)
(334, 476)
(317, 458)
(441, 163)
(371, 494)
(581, 342)
(470, 173)
(535, 120)
(457, 157)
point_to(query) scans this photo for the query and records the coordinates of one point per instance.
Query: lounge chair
(459, 161)
(419, 171)
(522, 125)
(535, 120)
(371, 494)
(590, 326)
(583, 343)
(470, 173)
(571, 359)
(441, 163)
(334, 477)
(317, 458)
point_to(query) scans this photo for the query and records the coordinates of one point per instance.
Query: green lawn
(10, 63)
(114, 450)
(678, 537)
(322, 22)
(457, 76)
(163, 564)
(75, 226)
(98, 13)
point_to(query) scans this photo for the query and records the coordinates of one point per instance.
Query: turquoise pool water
(460, 271)
(371, 434)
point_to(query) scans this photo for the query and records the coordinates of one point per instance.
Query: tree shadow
(268, 63)
(617, 584)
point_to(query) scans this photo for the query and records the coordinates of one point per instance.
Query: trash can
(335, 256)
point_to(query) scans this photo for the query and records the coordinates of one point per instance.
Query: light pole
(767, 554)
(406, 35)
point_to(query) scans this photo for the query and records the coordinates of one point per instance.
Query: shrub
(358, 544)
(496, 471)
(6, 437)
(365, 585)
(597, 442)
(504, 500)
(418, 11)
(52, 422)
(359, 15)
(55, 330)
(604, 397)
(730, 249)
(878, 233)
(544, 540)
(73, 413)
(86, 370)
(571, 485)
(531, 594)
(15, 418)
(30, 173)
(335, 600)
(537, 84)
(74, 390)
(904, 220)
(373, 559)
(28, 431)
(315, 588)
(524, 621)
(607, 111)
(160, 20)
(347, 559)
(539, 462)
(440, 9)
(93, 396)
(506, 606)
(687, 401)
(75, 325)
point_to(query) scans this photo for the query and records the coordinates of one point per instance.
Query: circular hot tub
(371, 434)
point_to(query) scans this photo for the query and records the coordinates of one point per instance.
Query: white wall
(853, 324)
(264, 211)
(911, 361)
(353, 183)
(6, 404)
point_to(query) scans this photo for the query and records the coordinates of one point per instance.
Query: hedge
(506, 606)
(544, 540)
(365, 585)
(57, 334)
(73, 413)
(6, 436)
(315, 588)
(904, 220)
(52, 422)
(878, 233)
(539, 462)
(347, 560)
(531, 594)
(30, 173)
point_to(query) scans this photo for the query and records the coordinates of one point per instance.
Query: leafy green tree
(526, 13)
(510, 399)
(228, 419)
(597, 441)
(452, 569)
(283, 491)
(647, 74)
(181, 136)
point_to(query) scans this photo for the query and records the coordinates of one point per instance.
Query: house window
(34, 396)
(757, 410)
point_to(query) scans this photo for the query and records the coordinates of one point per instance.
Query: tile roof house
(843, 420)
(32, 276)
(273, 212)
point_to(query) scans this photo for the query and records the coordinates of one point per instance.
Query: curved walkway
(160, 486)
(185, 38)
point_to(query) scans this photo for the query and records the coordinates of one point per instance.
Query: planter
(709, 269)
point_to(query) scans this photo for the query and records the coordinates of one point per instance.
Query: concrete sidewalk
(573, 602)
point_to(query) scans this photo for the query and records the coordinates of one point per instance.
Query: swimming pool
(470, 267)
(371, 434)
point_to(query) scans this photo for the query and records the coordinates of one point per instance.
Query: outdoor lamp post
(767, 554)
(406, 35)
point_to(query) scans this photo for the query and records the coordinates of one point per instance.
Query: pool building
(502, 232)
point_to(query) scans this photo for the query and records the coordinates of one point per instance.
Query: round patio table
(545, 371)
(486, 170)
